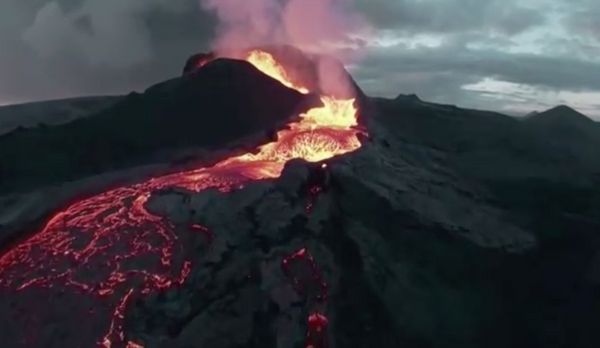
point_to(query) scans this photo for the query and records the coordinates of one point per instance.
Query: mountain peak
(561, 115)
(564, 108)
(408, 97)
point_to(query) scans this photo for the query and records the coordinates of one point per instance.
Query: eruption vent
(331, 28)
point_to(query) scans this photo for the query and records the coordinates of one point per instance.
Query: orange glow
(110, 233)
(321, 133)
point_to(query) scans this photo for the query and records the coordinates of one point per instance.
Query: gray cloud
(540, 49)
(451, 15)
(440, 73)
(436, 48)
(544, 71)
(77, 47)
(584, 18)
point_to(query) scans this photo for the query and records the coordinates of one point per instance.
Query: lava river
(94, 247)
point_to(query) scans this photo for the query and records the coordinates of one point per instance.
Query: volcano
(286, 212)
(112, 248)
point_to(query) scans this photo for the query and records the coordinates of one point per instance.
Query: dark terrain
(449, 228)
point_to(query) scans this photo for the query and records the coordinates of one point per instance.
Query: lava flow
(95, 247)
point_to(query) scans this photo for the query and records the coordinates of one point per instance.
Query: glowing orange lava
(95, 246)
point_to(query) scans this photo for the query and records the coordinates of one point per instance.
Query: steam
(317, 25)
(327, 27)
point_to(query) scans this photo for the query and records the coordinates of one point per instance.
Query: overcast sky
(506, 55)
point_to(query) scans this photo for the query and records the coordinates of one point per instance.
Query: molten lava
(95, 247)
(266, 63)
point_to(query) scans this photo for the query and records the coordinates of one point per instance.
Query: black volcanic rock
(221, 102)
(543, 173)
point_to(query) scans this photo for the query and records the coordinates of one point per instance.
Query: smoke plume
(316, 25)
(327, 27)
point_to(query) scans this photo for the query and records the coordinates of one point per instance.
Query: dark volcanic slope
(544, 173)
(222, 102)
(545, 168)
(555, 145)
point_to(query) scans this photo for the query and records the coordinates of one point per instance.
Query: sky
(505, 55)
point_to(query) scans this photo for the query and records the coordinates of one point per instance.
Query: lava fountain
(95, 246)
